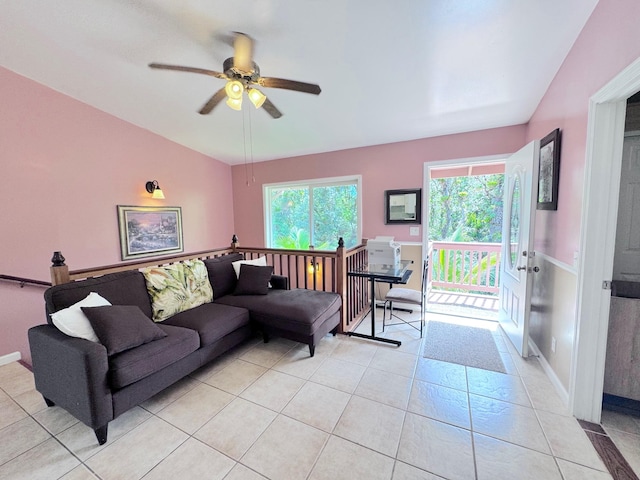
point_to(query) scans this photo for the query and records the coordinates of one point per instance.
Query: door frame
(605, 136)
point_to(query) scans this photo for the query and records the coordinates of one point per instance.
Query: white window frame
(316, 182)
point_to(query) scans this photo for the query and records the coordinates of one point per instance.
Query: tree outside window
(313, 214)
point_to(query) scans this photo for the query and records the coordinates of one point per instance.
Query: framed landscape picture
(148, 231)
(549, 170)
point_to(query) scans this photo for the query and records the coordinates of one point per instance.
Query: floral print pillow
(178, 287)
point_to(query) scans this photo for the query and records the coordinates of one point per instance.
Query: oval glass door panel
(514, 222)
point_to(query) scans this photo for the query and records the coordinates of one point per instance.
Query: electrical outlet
(414, 231)
(553, 344)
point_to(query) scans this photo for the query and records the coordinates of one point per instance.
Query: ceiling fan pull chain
(244, 146)
(253, 177)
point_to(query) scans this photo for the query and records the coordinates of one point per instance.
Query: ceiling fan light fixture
(235, 103)
(234, 89)
(256, 97)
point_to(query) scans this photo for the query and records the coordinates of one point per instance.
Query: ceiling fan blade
(271, 109)
(290, 85)
(213, 102)
(179, 68)
(243, 52)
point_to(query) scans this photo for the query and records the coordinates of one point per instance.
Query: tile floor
(357, 410)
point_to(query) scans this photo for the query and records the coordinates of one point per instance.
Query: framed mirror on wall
(403, 206)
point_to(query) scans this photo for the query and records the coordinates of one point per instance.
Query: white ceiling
(389, 70)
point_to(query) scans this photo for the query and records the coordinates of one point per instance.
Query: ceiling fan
(242, 75)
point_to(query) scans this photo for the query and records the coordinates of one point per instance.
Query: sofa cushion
(137, 363)
(74, 322)
(260, 262)
(212, 321)
(121, 327)
(253, 280)
(222, 276)
(298, 310)
(122, 288)
(178, 287)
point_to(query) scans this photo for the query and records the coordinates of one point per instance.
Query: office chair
(410, 297)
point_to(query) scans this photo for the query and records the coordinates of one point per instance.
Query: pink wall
(607, 44)
(65, 167)
(383, 167)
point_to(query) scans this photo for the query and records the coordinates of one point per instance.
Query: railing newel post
(341, 282)
(59, 270)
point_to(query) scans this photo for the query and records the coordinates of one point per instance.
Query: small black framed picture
(403, 206)
(549, 171)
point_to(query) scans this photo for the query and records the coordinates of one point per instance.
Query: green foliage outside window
(468, 207)
(313, 215)
(465, 209)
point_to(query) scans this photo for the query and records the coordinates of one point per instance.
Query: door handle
(535, 269)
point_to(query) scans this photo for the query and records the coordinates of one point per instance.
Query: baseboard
(623, 405)
(11, 357)
(555, 381)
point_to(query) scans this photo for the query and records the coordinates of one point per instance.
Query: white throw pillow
(74, 322)
(260, 261)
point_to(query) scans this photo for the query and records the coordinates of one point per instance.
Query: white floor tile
(192, 459)
(385, 387)
(344, 460)
(45, 461)
(573, 471)
(509, 422)
(508, 388)
(339, 374)
(236, 376)
(446, 374)
(273, 390)
(318, 406)
(445, 404)
(195, 408)
(19, 437)
(81, 440)
(133, 455)
(437, 447)
(498, 460)
(287, 450)
(242, 423)
(371, 424)
(403, 471)
(568, 440)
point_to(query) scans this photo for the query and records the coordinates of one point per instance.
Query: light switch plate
(414, 231)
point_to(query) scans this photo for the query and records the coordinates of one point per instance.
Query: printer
(383, 251)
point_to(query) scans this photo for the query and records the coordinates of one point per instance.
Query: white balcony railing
(465, 266)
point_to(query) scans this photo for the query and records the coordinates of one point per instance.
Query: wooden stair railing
(311, 269)
(24, 281)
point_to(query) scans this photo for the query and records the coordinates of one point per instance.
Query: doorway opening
(463, 219)
(621, 394)
(605, 134)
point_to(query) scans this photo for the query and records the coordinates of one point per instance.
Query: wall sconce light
(153, 188)
(313, 267)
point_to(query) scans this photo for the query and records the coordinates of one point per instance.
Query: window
(315, 212)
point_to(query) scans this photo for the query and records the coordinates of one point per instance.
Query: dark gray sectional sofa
(79, 375)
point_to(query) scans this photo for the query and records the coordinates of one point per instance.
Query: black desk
(380, 273)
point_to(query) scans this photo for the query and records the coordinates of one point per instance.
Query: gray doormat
(470, 346)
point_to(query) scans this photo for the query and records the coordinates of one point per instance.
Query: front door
(520, 177)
